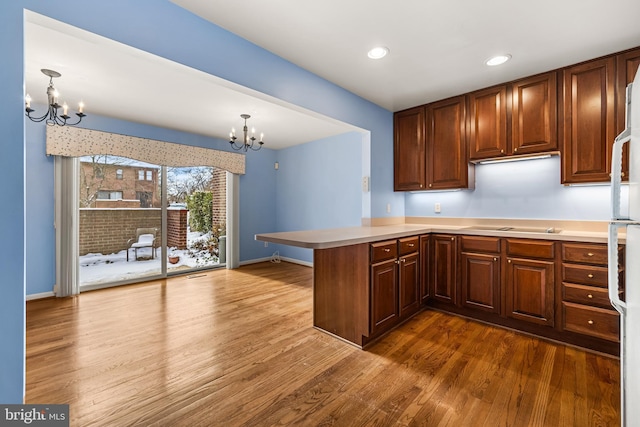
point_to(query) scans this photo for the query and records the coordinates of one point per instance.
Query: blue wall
(528, 189)
(142, 24)
(318, 186)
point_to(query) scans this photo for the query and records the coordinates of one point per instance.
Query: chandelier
(51, 116)
(248, 141)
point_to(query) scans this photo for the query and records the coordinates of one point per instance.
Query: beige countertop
(577, 231)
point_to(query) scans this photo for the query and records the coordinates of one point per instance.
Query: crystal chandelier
(248, 141)
(51, 116)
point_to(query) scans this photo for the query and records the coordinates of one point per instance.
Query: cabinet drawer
(584, 253)
(594, 321)
(382, 251)
(588, 295)
(584, 274)
(408, 245)
(480, 244)
(530, 248)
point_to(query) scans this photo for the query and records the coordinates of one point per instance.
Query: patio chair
(145, 238)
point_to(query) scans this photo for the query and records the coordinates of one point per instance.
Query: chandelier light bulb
(27, 101)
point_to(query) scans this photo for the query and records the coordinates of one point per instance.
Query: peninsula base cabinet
(363, 291)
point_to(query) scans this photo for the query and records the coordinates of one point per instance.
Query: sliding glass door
(140, 221)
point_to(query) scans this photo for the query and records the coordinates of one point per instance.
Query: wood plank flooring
(237, 348)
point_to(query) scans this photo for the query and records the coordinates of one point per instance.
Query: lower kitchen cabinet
(395, 282)
(530, 281)
(586, 308)
(425, 268)
(409, 276)
(443, 268)
(384, 295)
(480, 273)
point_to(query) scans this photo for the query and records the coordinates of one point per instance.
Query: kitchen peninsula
(542, 277)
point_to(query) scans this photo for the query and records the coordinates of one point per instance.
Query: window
(140, 175)
(109, 195)
(99, 173)
(145, 198)
(118, 173)
(149, 176)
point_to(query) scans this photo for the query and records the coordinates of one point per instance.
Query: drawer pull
(387, 250)
(411, 245)
(590, 254)
(590, 322)
(590, 276)
(589, 296)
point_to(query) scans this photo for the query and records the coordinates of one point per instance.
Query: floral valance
(77, 142)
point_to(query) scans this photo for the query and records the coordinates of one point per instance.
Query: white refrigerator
(630, 223)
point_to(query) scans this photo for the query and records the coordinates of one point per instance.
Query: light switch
(436, 209)
(365, 184)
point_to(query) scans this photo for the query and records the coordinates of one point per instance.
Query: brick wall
(106, 231)
(219, 189)
(177, 228)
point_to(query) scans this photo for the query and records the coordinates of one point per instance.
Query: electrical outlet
(436, 208)
(388, 207)
(266, 244)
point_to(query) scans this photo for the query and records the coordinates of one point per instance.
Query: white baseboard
(40, 295)
(291, 260)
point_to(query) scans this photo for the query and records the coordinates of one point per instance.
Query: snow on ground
(99, 268)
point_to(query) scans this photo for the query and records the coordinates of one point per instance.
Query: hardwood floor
(237, 348)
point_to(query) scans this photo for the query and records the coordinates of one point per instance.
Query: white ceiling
(437, 47)
(437, 50)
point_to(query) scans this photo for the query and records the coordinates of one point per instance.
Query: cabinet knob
(590, 322)
(621, 173)
(430, 185)
(515, 149)
(589, 296)
(387, 250)
(495, 259)
(590, 276)
(411, 245)
(502, 151)
(453, 238)
(590, 254)
(509, 261)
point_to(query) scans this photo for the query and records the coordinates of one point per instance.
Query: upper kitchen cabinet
(588, 121)
(626, 66)
(409, 150)
(515, 119)
(534, 114)
(488, 123)
(447, 165)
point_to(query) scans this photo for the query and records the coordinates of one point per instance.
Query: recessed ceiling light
(378, 52)
(497, 60)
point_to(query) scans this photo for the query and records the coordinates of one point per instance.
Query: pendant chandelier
(248, 142)
(51, 116)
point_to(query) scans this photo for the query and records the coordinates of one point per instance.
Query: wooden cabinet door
(588, 121)
(488, 123)
(480, 281)
(530, 290)
(534, 114)
(627, 66)
(409, 150)
(447, 165)
(425, 267)
(384, 295)
(443, 268)
(409, 283)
